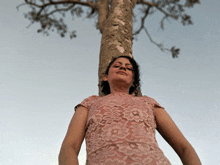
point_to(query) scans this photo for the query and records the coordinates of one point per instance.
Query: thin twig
(20, 6)
(159, 45)
(143, 21)
(63, 9)
(29, 25)
(88, 3)
(165, 13)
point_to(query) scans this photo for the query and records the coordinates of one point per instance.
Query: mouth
(123, 73)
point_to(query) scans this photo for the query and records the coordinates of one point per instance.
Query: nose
(122, 67)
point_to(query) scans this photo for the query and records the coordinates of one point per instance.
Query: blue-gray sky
(43, 78)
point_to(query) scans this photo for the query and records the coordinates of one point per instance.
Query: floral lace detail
(120, 130)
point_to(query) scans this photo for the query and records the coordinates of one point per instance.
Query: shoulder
(91, 98)
(147, 99)
(151, 101)
(87, 102)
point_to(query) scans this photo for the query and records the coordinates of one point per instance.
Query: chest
(121, 109)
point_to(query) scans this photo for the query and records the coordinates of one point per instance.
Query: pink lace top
(120, 130)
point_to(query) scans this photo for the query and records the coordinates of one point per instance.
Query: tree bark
(116, 28)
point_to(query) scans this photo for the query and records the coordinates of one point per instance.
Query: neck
(118, 89)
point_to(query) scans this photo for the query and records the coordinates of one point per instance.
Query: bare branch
(33, 4)
(170, 9)
(166, 14)
(52, 3)
(44, 13)
(91, 13)
(143, 21)
(162, 22)
(146, 3)
(58, 10)
(158, 45)
(20, 6)
(29, 25)
(88, 3)
(174, 52)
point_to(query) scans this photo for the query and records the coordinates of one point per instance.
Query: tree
(114, 20)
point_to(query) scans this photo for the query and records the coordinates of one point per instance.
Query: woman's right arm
(74, 137)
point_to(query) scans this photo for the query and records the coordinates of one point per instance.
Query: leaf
(191, 3)
(175, 52)
(73, 34)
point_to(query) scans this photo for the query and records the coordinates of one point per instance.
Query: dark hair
(105, 85)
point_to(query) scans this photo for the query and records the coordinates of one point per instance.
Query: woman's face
(120, 71)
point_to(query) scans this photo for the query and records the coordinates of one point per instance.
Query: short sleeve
(153, 103)
(87, 102)
(156, 104)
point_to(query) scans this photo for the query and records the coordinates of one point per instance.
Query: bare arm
(170, 132)
(68, 156)
(74, 137)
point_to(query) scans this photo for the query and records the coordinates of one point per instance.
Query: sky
(42, 78)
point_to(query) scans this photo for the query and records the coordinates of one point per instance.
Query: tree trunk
(115, 24)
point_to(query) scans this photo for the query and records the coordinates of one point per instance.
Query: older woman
(120, 128)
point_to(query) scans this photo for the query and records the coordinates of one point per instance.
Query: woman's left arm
(170, 132)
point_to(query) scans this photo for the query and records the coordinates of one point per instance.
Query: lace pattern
(120, 130)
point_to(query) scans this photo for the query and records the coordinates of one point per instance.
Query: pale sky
(43, 78)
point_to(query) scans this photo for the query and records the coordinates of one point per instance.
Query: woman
(120, 128)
